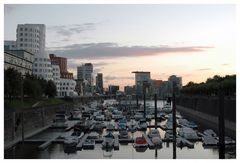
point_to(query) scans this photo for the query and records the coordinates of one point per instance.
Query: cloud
(109, 77)
(225, 64)
(113, 50)
(203, 69)
(97, 70)
(8, 8)
(69, 30)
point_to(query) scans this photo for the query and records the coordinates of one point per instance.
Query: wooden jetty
(80, 144)
(47, 143)
(150, 143)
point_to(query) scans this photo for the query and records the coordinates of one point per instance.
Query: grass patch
(28, 103)
(51, 101)
(17, 103)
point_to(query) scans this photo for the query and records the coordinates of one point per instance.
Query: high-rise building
(31, 37)
(155, 85)
(142, 81)
(99, 83)
(85, 73)
(62, 62)
(176, 82)
(113, 89)
(129, 90)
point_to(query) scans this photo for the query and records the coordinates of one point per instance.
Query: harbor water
(56, 151)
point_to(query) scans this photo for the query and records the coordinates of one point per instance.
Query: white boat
(154, 133)
(208, 140)
(108, 141)
(60, 120)
(93, 135)
(168, 135)
(157, 141)
(181, 142)
(110, 127)
(69, 145)
(89, 144)
(132, 126)
(209, 132)
(123, 134)
(186, 123)
(142, 124)
(188, 133)
(138, 116)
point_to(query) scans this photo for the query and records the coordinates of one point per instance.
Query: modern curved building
(42, 67)
(31, 37)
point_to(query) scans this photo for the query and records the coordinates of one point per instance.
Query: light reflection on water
(55, 151)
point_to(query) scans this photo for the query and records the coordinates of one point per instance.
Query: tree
(50, 90)
(12, 83)
(32, 87)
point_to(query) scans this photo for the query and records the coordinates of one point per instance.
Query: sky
(194, 41)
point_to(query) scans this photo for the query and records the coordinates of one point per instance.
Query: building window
(25, 34)
(21, 39)
(21, 45)
(25, 39)
(25, 29)
(36, 59)
(21, 29)
(36, 64)
(21, 34)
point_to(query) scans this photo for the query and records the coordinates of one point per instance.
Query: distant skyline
(192, 41)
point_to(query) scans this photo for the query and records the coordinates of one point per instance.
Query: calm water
(55, 151)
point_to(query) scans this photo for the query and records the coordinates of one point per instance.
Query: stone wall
(18, 121)
(209, 105)
(204, 110)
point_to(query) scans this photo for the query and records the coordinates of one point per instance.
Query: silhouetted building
(99, 83)
(129, 90)
(142, 82)
(113, 89)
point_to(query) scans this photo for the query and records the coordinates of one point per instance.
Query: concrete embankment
(204, 110)
(26, 122)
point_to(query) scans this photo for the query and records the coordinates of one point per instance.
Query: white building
(56, 77)
(20, 60)
(42, 68)
(67, 87)
(31, 37)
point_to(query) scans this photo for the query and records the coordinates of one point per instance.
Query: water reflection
(30, 151)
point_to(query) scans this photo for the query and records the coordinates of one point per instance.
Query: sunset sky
(193, 41)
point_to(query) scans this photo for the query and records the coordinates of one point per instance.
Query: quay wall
(204, 110)
(28, 120)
